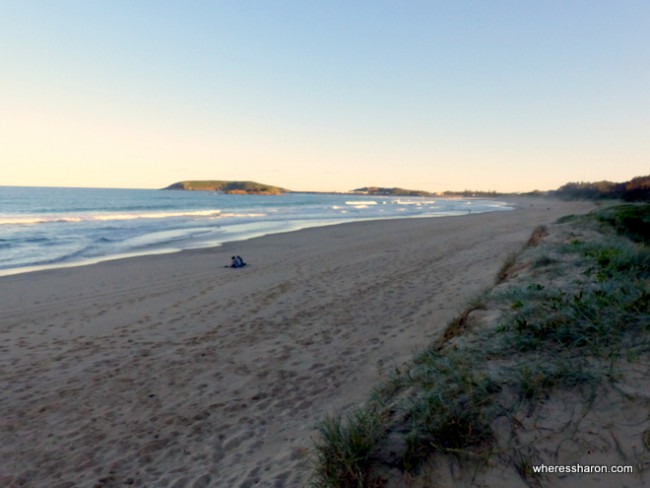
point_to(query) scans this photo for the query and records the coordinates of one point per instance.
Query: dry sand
(172, 370)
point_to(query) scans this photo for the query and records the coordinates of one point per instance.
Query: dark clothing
(237, 262)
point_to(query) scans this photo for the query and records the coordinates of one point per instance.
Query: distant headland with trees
(230, 187)
(636, 189)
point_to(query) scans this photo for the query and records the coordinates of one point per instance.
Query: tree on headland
(637, 189)
(233, 187)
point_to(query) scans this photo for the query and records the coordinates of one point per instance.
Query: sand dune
(172, 370)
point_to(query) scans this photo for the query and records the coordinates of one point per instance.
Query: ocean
(54, 227)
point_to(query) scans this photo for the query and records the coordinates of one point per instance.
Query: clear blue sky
(432, 95)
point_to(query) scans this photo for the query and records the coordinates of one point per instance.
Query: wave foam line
(31, 220)
(361, 203)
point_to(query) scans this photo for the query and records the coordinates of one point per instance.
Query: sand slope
(175, 371)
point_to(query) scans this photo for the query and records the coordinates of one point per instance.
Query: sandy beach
(173, 371)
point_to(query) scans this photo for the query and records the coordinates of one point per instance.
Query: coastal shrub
(450, 422)
(632, 221)
(544, 261)
(583, 319)
(344, 449)
(616, 257)
(454, 410)
(567, 218)
(453, 370)
(416, 450)
(636, 189)
(533, 381)
(597, 313)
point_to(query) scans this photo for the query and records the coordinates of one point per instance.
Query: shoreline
(232, 233)
(173, 370)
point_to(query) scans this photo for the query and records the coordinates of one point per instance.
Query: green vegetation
(632, 221)
(345, 448)
(232, 187)
(449, 412)
(572, 304)
(637, 189)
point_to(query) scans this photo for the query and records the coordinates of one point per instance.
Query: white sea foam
(361, 203)
(414, 202)
(105, 217)
(156, 215)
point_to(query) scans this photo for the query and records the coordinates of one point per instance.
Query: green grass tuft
(344, 449)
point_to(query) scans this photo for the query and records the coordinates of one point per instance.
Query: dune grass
(570, 307)
(344, 448)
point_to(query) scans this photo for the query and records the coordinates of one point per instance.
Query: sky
(333, 95)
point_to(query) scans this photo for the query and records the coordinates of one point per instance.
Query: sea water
(54, 227)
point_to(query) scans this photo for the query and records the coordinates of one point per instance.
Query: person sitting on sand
(237, 262)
